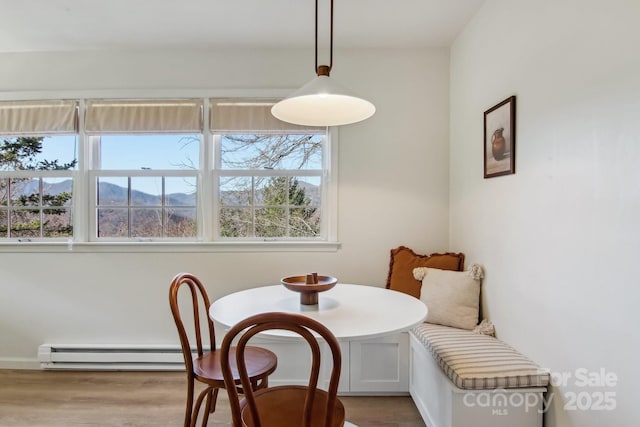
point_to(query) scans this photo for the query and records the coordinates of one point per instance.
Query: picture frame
(500, 139)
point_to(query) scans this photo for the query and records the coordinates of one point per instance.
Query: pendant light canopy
(323, 101)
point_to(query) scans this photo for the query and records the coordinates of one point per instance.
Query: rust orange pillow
(404, 260)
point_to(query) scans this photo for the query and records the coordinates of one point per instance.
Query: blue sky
(130, 152)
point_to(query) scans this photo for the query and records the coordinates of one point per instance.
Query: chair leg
(210, 406)
(189, 408)
(214, 399)
(196, 409)
(207, 405)
(260, 384)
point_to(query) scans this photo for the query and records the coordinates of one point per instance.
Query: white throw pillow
(452, 297)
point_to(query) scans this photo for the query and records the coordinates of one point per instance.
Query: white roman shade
(250, 115)
(38, 117)
(143, 116)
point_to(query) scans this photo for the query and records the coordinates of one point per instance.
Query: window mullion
(164, 214)
(82, 222)
(40, 206)
(329, 212)
(208, 183)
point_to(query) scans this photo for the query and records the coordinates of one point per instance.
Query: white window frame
(218, 172)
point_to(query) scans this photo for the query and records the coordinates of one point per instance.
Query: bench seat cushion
(479, 362)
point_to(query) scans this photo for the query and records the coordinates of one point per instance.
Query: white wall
(560, 239)
(393, 190)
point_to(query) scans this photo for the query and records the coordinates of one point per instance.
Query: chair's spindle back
(300, 325)
(200, 300)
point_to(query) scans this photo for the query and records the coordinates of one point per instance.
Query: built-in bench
(458, 378)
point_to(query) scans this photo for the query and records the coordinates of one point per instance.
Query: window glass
(273, 199)
(58, 152)
(142, 152)
(36, 186)
(294, 152)
(153, 194)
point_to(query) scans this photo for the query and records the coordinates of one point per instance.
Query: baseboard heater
(111, 357)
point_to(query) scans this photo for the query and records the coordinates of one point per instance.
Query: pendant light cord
(330, 41)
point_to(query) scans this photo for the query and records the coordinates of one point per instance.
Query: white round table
(349, 311)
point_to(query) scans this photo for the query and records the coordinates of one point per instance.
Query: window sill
(154, 247)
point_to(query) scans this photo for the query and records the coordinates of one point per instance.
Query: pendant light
(323, 101)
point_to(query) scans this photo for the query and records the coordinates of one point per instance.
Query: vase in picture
(498, 144)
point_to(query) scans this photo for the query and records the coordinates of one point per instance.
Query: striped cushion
(479, 362)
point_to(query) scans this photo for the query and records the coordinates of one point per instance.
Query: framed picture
(500, 139)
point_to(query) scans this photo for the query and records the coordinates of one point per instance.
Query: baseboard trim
(19, 363)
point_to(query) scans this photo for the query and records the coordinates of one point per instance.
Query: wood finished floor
(141, 399)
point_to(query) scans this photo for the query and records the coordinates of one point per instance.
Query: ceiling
(68, 25)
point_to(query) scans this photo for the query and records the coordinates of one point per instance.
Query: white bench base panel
(442, 404)
(371, 367)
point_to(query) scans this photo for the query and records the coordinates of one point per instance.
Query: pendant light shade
(323, 101)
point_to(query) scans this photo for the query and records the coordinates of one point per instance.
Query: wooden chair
(287, 405)
(205, 367)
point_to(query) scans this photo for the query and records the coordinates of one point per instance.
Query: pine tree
(286, 207)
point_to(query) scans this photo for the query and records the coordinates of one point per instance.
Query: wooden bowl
(308, 292)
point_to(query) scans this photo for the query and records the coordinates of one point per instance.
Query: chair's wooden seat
(282, 406)
(260, 364)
